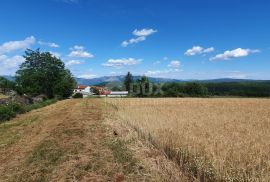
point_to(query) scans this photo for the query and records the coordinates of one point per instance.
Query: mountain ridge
(120, 78)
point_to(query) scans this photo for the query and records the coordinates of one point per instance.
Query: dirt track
(69, 141)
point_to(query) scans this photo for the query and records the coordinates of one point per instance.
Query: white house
(85, 90)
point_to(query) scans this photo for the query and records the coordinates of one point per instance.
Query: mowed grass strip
(123, 155)
(49, 154)
(70, 141)
(10, 132)
(211, 139)
(77, 147)
(61, 145)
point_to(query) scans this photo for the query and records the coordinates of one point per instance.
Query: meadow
(217, 139)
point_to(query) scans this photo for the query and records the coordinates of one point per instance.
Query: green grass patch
(74, 132)
(40, 104)
(42, 161)
(50, 154)
(123, 155)
(47, 153)
(10, 132)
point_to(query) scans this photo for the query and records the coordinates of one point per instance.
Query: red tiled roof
(81, 87)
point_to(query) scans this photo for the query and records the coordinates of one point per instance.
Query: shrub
(40, 104)
(6, 113)
(9, 111)
(77, 95)
(17, 108)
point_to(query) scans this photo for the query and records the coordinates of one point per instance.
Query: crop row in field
(211, 139)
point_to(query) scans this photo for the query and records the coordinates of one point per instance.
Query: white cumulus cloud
(144, 32)
(87, 76)
(8, 65)
(17, 45)
(56, 54)
(119, 63)
(73, 62)
(49, 44)
(195, 50)
(3, 57)
(79, 51)
(236, 53)
(174, 64)
(133, 41)
(162, 73)
(141, 35)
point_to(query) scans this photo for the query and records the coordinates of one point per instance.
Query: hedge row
(12, 109)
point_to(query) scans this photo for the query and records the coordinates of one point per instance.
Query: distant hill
(114, 79)
(11, 78)
(231, 80)
(119, 79)
(109, 79)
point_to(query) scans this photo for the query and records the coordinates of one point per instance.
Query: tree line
(144, 88)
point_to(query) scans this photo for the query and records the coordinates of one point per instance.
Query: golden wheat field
(210, 139)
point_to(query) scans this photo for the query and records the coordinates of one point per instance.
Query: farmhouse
(80, 88)
(95, 90)
(85, 90)
(104, 91)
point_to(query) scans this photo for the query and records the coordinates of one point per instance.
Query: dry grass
(3, 96)
(70, 141)
(211, 139)
(10, 132)
(140, 153)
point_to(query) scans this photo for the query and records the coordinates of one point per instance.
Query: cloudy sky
(183, 39)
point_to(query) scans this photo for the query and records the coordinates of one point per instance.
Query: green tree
(65, 87)
(128, 81)
(144, 86)
(173, 90)
(43, 73)
(195, 89)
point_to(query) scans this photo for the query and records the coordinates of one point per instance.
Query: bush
(6, 113)
(18, 108)
(77, 95)
(38, 105)
(9, 111)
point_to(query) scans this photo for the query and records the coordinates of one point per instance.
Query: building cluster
(99, 91)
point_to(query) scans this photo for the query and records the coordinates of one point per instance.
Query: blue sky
(183, 39)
